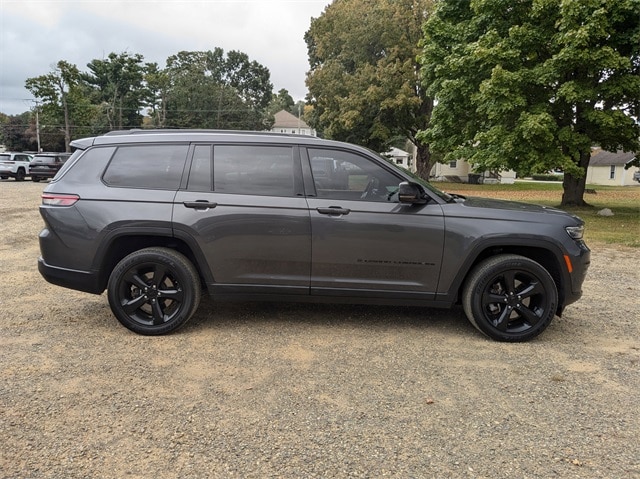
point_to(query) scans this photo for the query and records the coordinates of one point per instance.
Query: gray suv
(156, 216)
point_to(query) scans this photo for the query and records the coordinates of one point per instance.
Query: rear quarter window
(147, 166)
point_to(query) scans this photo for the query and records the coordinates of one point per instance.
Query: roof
(396, 152)
(608, 158)
(285, 119)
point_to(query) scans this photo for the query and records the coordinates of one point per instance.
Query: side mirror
(411, 193)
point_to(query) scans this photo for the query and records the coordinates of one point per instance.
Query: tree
(534, 84)
(281, 101)
(15, 132)
(63, 98)
(157, 83)
(210, 90)
(117, 83)
(364, 83)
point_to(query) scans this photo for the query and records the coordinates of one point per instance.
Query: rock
(605, 212)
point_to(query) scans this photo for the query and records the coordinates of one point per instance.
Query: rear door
(364, 242)
(245, 207)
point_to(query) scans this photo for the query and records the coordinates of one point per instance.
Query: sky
(36, 34)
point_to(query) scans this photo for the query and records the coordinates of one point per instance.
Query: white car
(15, 165)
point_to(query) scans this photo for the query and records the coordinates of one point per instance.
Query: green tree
(65, 105)
(281, 101)
(210, 90)
(15, 134)
(364, 83)
(157, 83)
(533, 84)
(117, 84)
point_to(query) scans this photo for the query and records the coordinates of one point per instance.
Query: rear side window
(253, 170)
(147, 166)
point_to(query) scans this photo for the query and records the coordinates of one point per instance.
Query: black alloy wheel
(510, 298)
(154, 291)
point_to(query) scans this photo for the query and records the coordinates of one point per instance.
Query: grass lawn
(623, 228)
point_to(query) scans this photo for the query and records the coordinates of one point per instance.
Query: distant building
(285, 122)
(607, 168)
(400, 157)
(461, 170)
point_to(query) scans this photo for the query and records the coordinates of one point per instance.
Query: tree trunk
(424, 162)
(573, 194)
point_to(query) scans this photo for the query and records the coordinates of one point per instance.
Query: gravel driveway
(308, 391)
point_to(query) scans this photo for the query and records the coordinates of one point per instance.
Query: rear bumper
(68, 278)
(43, 173)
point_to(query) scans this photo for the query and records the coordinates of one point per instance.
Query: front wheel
(20, 175)
(35, 178)
(510, 298)
(154, 291)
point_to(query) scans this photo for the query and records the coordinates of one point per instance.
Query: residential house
(285, 122)
(462, 171)
(400, 157)
(607, 168)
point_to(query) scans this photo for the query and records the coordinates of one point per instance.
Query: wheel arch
(548, 255)
(124, 244)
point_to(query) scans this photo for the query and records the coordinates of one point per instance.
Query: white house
(285, 122)
(607, 168)
(400, 158)
(461, 170)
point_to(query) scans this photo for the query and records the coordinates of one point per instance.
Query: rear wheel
(510, 298)
(35, 178)
(154, 291)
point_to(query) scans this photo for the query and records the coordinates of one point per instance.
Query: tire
(20, 174)
(3, 177)
(154, 291)
(510, 298)
(35, 178)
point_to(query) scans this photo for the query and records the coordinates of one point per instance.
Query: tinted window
(344, 175)
(200, 174)
(253, 170)
(149, 166)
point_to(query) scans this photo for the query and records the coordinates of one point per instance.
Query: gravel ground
(309, 391)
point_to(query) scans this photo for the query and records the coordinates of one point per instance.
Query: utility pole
(38, 124)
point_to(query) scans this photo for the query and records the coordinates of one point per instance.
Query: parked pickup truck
(15, 165)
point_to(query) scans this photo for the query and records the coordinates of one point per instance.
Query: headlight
(576, 232)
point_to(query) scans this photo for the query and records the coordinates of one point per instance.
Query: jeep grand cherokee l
(46, 165)
(154, 217)
(15, 165)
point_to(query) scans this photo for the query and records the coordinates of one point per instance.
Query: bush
(547, 177)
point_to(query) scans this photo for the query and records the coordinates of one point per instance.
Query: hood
(491, 207)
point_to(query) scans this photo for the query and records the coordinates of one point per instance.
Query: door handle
(200, 204)
(333, 211)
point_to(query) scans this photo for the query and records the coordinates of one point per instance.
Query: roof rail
(140, 131)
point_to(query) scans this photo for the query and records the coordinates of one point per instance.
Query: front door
(364, 242)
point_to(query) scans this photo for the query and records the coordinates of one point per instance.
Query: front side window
(253, 170)
(148, 166)
(344, 175)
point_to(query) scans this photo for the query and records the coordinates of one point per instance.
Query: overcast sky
(36, 34)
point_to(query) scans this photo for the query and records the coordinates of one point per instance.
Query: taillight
(53, 199)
